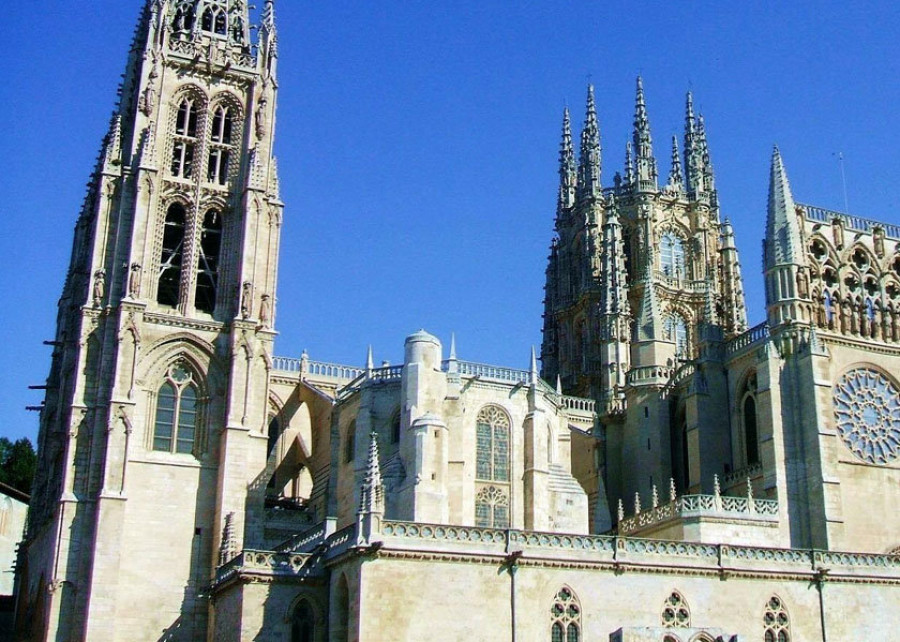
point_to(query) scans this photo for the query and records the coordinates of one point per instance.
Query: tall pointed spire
(676, 177)
(568, 177)
(782, 228)
(589, 163)
(371, 497)
(643, 144)
(692, 158)
(709, 183)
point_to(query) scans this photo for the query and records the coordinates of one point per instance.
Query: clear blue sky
(418, 144)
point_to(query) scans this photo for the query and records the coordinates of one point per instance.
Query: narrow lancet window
(751, 434)
(185, 139)
(208, 262)
(220, 151)
(172, 256)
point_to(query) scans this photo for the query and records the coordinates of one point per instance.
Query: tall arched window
(220, 145)
(175, 428)
(671, 254)
(185, 139)
(340, 624)
(776, 621)
(184, 17)
(492, 466)
(565, 617)
(350, 443)
(751, 433)
(215, 20)
(675, 329)
(172, 256)
(395, 428)
(303, 623)
(208, 262)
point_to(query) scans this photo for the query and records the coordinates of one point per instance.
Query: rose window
(867, 413)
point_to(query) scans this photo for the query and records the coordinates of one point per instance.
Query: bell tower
(153, 430)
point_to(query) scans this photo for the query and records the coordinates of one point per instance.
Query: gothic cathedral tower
(156, 402)
(641, 276)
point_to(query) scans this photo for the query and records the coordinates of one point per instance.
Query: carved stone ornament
(867, 415)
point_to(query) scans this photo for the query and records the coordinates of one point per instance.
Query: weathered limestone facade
(669, 474)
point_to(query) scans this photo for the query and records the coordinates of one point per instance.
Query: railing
(492, 373)
(388, 373)
(746, 339)
(701, 506)
(315, 368)
(850, 222)
(579, 404)
(644, 374)
(741, 475)
(677, 282)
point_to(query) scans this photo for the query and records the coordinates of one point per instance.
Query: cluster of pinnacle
(582, 181)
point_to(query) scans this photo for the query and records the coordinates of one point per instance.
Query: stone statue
(260, 118)
(134, 281)
(802, 283)
(265, 311)
(246, 296)
(99, 286)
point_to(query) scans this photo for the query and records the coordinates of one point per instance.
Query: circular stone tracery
(867, 412)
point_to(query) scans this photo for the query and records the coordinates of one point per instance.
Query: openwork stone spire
(568, 177)
(371, 498)
(649, 319)
(692, 157)
(590, 161)
(643, 144)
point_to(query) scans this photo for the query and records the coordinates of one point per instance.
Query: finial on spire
(629, 166)
(370, 359)
(589, 164)
(676, 177)
(453, 346)
(534, 369)
(559, 389)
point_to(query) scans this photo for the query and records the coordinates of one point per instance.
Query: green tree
(17, 463)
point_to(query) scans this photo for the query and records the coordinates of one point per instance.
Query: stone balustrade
(748, 338)
(687, 506)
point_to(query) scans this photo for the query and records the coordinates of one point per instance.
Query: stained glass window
(867, 414)
(565, 617)
(177, 409)
(492, 447)
(776, 621)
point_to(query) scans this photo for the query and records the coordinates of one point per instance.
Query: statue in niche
(260, 118)
(837, 228)
(147, 101)
(99, 286)
(802, 283)
(265, 311)
(246, 297)
(134, 281)
(878, 238)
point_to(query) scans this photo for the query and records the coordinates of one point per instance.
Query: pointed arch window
(175, 426)
(395, 428)
(184, 18)
(172, 256)
(777, 621)
(492, 465)
(671, 255)
(303, 623)
(220, 145)
(676, 613)
(208, 261)
(565, 617)
(215, 20)
(751, 433)
(675, 328)
(185, 139)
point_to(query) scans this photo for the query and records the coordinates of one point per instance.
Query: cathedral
(662, 472)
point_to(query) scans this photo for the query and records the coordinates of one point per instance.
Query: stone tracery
(867, 414)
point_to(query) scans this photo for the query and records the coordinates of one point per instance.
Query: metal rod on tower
(843, 181)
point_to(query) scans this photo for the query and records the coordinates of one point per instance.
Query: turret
(735, 311)
(676, 176)
(615, 312)
(782, 249)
